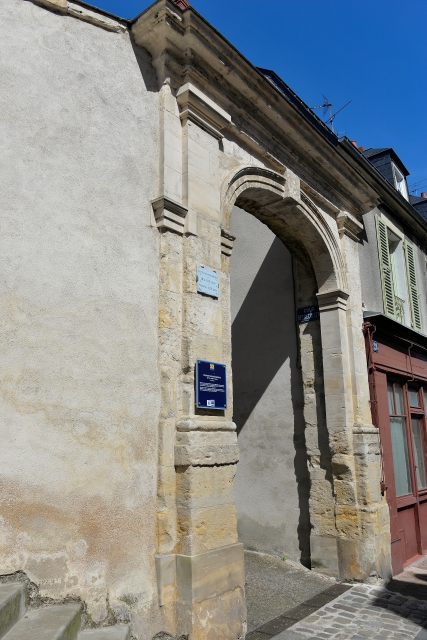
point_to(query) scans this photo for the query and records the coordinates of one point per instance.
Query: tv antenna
(416, 185)
(328, 106)
(332, 118)
(325, 106)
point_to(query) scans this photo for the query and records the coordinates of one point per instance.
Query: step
(58, 622)
(13, 601)
(119, 632)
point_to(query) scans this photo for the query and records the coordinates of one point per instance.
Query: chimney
(361, 148)
(182, 4)
(354, 143)
(424, 194)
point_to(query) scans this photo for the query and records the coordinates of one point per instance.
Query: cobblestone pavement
(274, 586)
(363, 612)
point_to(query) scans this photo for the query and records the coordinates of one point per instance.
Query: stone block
(201, 347)
(218, 618)
(169, 310)
(166, 488)
(166, 578)
(206, 455)
(324, 554)
(207, 528)
(202, 314)
(205, 486)
(166, 530)
(58, 5)
(209, 574)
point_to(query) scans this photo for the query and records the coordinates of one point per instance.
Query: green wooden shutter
(411, 273)
(385, 268)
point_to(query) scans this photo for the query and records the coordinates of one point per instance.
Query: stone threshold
(288, 618)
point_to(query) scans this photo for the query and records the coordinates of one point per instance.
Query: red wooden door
(402, 422)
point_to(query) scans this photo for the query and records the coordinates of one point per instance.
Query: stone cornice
(186, 49)
(84, 12)
(349, 225)
(227, 243)
(332, 300)
(198, 108)
(169, 215)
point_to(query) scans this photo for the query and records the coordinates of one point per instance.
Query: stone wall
(79, 386)
(271, 483)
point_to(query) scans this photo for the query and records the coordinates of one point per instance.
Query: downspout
(369, 329)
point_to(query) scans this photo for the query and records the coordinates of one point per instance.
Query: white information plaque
(207, 282)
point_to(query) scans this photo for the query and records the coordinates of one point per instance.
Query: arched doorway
(342, 454)
(272, 480)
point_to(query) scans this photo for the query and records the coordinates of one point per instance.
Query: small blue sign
(305, 314)
(375, 346)
(207, 282)
(211, 385)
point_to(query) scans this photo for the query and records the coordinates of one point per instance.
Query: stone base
(219, 618)
(209, 592)
(324, 555)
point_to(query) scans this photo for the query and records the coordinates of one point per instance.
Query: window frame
(388, 273)
(421, 413)
(397, 172)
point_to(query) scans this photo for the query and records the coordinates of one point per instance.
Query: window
(399, 439)
(407, 430)
(399, 276)
(399, 181)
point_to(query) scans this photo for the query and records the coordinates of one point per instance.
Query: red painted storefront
(397, 367)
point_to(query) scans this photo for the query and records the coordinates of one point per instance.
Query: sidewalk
(287, 602)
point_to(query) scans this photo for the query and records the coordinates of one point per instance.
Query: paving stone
(381, 615)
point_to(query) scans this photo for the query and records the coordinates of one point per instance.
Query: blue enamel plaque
(305, 314)
(207, 282)
(211, 385)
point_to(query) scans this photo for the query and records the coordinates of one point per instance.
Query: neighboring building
(394, 290)
(136, 154)
(420, 204)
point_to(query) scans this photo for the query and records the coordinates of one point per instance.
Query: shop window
(413, 395)
(398, 276)
(399, 439)
(416, 423)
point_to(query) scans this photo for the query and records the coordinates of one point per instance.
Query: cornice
(186, 49)
(86, 13)
(169, 215)
(198, 108)
(349, 226)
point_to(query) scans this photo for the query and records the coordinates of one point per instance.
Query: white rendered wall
(79, 385)
(268, 395)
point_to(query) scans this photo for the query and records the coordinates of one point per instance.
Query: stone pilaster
(200, 563)
(374, 551)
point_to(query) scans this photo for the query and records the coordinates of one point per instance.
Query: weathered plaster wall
(268, 396)
(79, 386)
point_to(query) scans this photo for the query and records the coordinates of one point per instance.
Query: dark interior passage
(272, 483)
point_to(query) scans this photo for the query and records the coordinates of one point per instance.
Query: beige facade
(123, 173)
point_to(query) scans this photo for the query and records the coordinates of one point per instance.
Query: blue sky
(373, 52)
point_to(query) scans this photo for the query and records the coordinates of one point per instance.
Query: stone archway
(336, 515)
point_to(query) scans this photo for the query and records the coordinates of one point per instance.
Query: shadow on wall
(260, 349)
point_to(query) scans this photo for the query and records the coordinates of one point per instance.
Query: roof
(416, 199)
(371, 153)
(296, 101)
